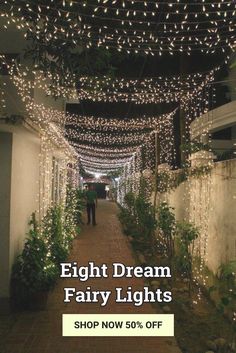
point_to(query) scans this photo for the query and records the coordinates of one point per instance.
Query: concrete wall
(210, 203)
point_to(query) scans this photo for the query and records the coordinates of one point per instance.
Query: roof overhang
(215, 120)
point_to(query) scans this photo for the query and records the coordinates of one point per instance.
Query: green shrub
(227, 285)
(33, 271)
(145, 188)
(169, 180)
(37, 268)
(129, 200)
(194, 146)
(145, 216)
(128, 222)
(127, 215)
(61, 224)
(55, 235)
(138, 217)
(166, 224)
(186, 234)
(80, 205)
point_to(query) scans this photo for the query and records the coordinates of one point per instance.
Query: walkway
(40, 332)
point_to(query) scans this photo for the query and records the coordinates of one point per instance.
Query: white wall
(12, 40)
(19, 165)
(5, 188)
(222, 227)
(13, 101)
(210, 203)
(15, 105)
(48, 102)
(24, 186)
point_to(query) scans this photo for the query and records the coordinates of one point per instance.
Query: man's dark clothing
(91, 209)
(91, 197)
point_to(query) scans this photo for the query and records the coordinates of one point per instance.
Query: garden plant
(36, 269)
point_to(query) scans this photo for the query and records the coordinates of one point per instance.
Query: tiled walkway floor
(40, 332)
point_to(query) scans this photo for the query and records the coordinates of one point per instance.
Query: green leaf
(212, 289)
(225, 301)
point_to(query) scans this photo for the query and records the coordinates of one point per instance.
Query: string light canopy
(113, 151)
(110, 131)
(147, 27)
(111, 124)
(135, 27)
(144, 91)
(104, 160)
(117, 138)
(95, 137)
(139, 91)
(119, 141)
(98, 138)
(40, 22)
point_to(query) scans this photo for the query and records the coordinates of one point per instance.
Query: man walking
(92, 201)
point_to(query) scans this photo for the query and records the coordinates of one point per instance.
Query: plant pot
(38, 301)
(19, 299)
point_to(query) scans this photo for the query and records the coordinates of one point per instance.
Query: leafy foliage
(145, 188)
(138, 217)
(33, 270)
(74, 207)
(166, 225)
(68, 62)
(80, 205)
(186, 234)
(60, 226)
(129, 200)
(227, 286)
(127, 216)
(170, 180)
(115, 174)
(194, 146)
(145, 216)
(54, 233)
(37, 268)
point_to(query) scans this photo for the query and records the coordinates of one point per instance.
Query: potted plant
(33, 274)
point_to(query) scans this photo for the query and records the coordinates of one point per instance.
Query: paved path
(40, 332)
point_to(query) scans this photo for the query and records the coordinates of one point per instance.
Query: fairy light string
(133, 132)
(143, 91)
(102, 144)
(129, 26)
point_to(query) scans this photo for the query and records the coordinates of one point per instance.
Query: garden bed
(199, 326)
